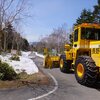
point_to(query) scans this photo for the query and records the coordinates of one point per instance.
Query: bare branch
(9, 5)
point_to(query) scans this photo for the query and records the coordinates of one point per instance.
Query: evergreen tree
(96, 13)
(12, 39)
(85, 17)
(25, 44)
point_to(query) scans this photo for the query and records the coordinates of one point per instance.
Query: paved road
(68, 88)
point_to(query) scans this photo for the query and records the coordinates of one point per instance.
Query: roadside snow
(39, 55)
(25, 63)
(25, 54)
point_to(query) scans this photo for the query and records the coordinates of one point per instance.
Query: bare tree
(10, 11)
(8, 32)
(56, 40)
(16, 41)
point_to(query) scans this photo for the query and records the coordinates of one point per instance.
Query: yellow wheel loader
(84, 55)
(51, 59)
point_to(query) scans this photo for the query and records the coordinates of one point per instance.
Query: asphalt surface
(68, 88)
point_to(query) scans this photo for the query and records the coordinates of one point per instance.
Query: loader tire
(85, 71)
(45, 64)
(64, 65)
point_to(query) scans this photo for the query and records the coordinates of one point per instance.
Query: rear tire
(64, 66)
(89, 76)
(46, 62)
(45, 65)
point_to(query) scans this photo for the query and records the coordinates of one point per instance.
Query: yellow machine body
(51, 60)
(85, 46)
(84, 55)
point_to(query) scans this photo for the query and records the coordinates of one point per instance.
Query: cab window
(90, 33)
(76, 35)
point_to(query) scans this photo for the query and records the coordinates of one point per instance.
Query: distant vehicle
(51, 59)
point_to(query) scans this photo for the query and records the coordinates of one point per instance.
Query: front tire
(85, 71)
(64, 65)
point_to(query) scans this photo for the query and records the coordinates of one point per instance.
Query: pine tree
(96, 13)
(99, 2)
(85, 17)
(25, 45)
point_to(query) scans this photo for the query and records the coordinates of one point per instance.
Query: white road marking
(50, 92)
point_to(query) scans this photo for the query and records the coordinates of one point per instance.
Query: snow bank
(29, 54)
(25, 63)
(25, 54)
(39, 55)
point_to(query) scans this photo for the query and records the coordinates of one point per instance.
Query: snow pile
(29, 54)
(25, 54)
(25, 63)
(39, 55)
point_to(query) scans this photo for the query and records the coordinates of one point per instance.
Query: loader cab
(84, 34)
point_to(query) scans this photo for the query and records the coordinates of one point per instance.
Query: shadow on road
(97, 86)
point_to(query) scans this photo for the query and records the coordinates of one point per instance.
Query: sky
(47, 15)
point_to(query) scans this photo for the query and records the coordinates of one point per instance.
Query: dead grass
(34, 79)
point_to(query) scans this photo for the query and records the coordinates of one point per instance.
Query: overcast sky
(49, 14)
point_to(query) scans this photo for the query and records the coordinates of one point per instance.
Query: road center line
(50, 92)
